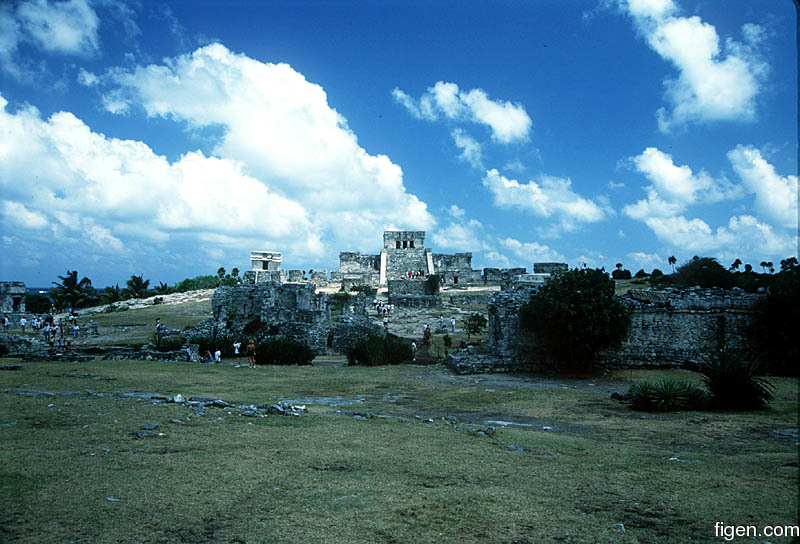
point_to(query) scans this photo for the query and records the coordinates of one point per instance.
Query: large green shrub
(281, 351)
(379, 350)
(575, 315)
(666, 395)
(777, 322)
(703, 272)
(734, 380)
(162, 342)
(475, 324)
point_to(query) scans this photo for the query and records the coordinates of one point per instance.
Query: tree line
(74, 292)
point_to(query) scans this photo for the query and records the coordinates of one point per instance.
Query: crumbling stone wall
(12, 297)
(456, 269)
(670, 328)
(549, 268)
(290, 310)
(263, 276)
(502, 275)
(412, 293)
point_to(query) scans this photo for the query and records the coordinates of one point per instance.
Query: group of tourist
(415, 274)
(382, 308)
(216, 356)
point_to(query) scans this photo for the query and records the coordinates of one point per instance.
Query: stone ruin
(669, 328)
(12, 297)
(403, 251)
(290, 310)
(266, 266)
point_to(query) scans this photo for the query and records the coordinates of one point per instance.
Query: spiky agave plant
(734, 380)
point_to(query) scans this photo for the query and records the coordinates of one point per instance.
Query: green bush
(3, 350)
(281, 351)
(666, 395)
(621, 274)
(733, 380)
(378, 350)
(37, 304)
(575, 315)
(777, 322)
(163, 343)
(475, 324)
(216, 339)
(704, 272)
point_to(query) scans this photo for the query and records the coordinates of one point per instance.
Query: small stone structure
(290, 310)
(669, 328)
(12, 297)
(265, 266)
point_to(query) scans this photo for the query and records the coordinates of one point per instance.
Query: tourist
(441, 321)
(413, 351)
(23, 323)
(385, 322)
(453, 323)
(217, 356)
(75, 330)
(427, 335)
(188, 349)
(5, 322)
(207, 357)
(251, 353)
(236, 346)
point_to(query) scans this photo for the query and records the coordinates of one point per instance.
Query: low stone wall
(463, 299)
(669, 328)
(416, 301)
(151, 355)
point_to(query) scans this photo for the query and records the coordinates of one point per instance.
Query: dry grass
(330, 477)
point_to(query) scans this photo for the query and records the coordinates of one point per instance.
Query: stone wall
(502, 275)
(412, 293)
(12, 297)
(262, 276)
(670, 328)
(290, 310)
(463, 299)
(456, 269)
(400, 261)
(549, 268)
(350, 261)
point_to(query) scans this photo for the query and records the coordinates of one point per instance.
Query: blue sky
(171, 138)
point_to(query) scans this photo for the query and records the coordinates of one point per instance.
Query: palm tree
(162, 288)
(672, 260)
(736, 264)
(137, 286)
(235, 272)
(763, 265)
(73, 292)
(748, 268)
(111, 294)
(771, 267)
(221, 272)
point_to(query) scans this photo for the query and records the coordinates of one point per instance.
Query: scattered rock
(150, 426)
(142, 433)
(11, 367)
(515, 449)
(619, 526)
(177, 422)
(113, 499)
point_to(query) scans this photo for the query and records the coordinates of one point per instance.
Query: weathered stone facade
(291, 310)
(670, 328)
(412, 293)
(549, 268)
(403, 252)
(12, 297)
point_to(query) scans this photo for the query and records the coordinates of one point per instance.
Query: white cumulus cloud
(278, 129)
(715, 82)
(470, 148)
(508, 122)
(776, 195)
(547, 197)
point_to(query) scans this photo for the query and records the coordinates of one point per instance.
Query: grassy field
(405, 475)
